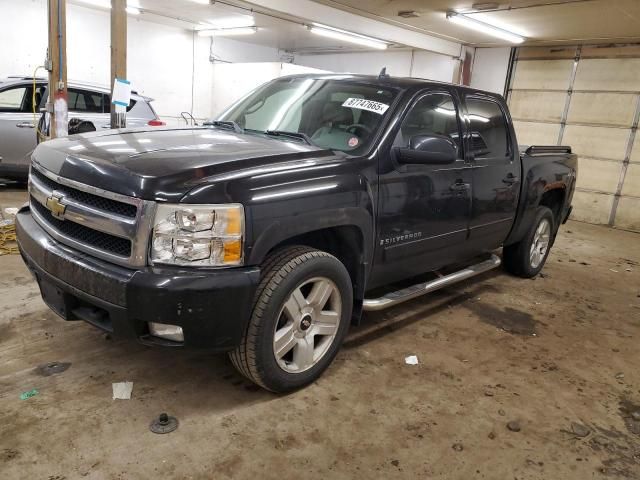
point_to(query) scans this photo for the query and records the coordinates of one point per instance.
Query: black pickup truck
(268, 231)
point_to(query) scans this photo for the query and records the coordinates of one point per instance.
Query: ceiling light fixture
(219, 32)
(356, 38)
(484, 27)
(133, 7)
(227, 22)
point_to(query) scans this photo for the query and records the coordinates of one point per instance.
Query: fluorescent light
(227, 22)
(133, 7)
(483, 27)
(219, 32)
(343, 35)
(201, 2)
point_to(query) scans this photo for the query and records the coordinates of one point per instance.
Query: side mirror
(429, 149)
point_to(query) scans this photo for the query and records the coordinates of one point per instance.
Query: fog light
(168, 332)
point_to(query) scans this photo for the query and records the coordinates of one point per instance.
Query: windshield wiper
(224, 124)
(298, 135)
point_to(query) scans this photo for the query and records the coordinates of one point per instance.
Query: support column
(57, 105)
(118, 55)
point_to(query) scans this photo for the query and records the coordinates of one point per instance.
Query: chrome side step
(414, 291)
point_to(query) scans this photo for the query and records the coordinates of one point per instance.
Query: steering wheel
(367, 129)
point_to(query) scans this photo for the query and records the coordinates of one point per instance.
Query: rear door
(17, 124)
(88, 105)
(423, 209)
(496, 171)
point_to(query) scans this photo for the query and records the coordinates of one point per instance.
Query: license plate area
(60, 302)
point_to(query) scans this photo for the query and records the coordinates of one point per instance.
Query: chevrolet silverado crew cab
(267, 232)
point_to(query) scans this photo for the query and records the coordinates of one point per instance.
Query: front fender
(301, 198)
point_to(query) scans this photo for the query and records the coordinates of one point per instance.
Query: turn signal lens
(232, 251)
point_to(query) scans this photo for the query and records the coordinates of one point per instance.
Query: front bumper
(211, 306)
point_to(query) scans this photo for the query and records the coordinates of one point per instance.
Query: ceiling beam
(315, 12)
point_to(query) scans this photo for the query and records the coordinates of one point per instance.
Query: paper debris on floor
(411, 360)
(122, 390)
(13, 211)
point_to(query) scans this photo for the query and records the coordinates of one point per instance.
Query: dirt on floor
(524, 379)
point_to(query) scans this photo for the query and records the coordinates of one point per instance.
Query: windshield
(334, 114)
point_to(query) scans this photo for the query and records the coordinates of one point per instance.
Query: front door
(18, 123)
(423, 209)
(496, 172)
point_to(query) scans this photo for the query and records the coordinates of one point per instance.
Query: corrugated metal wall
(589, 98)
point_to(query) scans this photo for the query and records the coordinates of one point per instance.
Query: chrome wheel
(307, 324)
(540, 243)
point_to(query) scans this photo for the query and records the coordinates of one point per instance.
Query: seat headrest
(336, 114)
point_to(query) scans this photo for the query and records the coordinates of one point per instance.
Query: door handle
(26, 125)
(459, 187)
(510, 179)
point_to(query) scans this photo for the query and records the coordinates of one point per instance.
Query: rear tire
(527, 257)
(301, 314)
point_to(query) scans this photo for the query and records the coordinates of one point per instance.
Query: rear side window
(488, 129)
(107, 104)
(85, 101)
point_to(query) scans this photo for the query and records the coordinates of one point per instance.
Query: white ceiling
(543, 22)
(274, 29)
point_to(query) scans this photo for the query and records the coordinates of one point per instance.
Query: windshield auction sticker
(364, 104)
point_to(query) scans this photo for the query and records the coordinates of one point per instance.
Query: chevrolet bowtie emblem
(55, 206)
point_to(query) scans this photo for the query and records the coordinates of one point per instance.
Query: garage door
(589, 98)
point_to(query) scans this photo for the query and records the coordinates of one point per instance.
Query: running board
(414, 291)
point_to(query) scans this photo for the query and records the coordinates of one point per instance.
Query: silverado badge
(55, 205)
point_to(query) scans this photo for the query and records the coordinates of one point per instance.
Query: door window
(14, 99)
(488, 129)
(85, 101)
(434, 113)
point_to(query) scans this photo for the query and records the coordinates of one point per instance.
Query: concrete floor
(549, 352)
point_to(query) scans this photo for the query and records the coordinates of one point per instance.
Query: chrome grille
(103, 241)
(104, 224)
(101, 203)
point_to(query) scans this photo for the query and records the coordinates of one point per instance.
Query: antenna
(383, 74)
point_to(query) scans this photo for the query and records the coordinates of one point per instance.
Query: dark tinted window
(85, 101)
(107, 104)
(488, 127)
(433, 114)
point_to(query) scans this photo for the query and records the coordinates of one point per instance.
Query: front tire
(527, 257)
(301, 314)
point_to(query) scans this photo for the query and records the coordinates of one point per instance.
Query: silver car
(86, 101)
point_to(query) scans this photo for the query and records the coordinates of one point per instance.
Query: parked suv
(18, 123)
(270, 231)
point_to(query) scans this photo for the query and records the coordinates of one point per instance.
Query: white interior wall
(490, 67)
(169, 64)
(424, 64)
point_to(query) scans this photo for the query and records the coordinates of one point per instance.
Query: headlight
(209, 235)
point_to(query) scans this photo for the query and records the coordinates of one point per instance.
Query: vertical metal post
(118, 55)
(513, 59)
(57, 105)
(625, 164)
(567, 103)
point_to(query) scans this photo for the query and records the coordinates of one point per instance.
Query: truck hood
(165, 164)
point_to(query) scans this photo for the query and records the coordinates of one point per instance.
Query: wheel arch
(347, 242)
